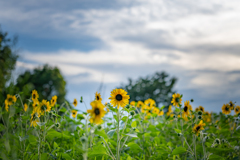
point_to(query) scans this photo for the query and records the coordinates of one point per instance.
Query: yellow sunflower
(187, 108)
(53, 100)
(139, 104)
(150, 103)
(35, 104)
(6, 105)
(97, 112)
(98, 97)
(25, 107)
(43, 107)
(133, 103)
(237, 109)
(201, 108)
(161, 112)
(169, 110)
(207, 117)
(34, 118)
(144, 109)
(75, 102)
(196, 109)
(226, 109)
(155, 110)
(34, 95)
(198, 127)
(11, 99)
(231, 104)
(74, 113)
(119, 97)
(176, 99)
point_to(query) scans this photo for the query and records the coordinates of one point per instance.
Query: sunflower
(11, 99)
(201, 108)
(6, 105)
(53, 100)
(98, 97)
(196, 109)
(207, 117)
(119, 97)
(169, 110)
(176, 99)
(150, 103)
(97, 112)
(186, 109)
(25, 107)
(35, 104)
(155, 110)
(144, 109)
(133, 103)
(226, 109)
(74, 113)
(161, 112)
(43, 107)
(35, 95)
(231, 104)
(198, 127)
(34, 119)
(237, 109)
(75, 102)
(139, 104)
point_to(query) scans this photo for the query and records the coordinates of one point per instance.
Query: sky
(109, 41)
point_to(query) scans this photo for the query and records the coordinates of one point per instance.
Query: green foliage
(159, 87)
(48, 81)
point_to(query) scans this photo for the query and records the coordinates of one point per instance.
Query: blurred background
(151, 48)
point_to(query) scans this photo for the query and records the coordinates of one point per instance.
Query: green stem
(118, 137)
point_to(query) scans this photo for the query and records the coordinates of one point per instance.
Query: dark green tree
(7, 59)
(48, 81)
(158, 86)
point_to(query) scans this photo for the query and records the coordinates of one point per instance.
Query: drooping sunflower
(43, 107)
(176, 99)
(75, 102)
(6, 105)
(187, 108)
(97, 112)
(231, 104)
(201, 108)
(74, 113)
(53, 100)
(237, 109)
(133, 103)
(25, 107)
(169, 110)
(11, 99)
(198, 127)
(139, 104)
(98, 97)
(35, 95)
(119, 97)
(226, 109)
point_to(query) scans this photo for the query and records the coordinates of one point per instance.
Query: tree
(158, 86)
(48, 81)
(7, 59)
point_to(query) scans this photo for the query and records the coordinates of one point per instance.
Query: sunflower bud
(83, 139)
(132, 113)
(179, 134)
(199, 112)
(128, 106)
(81, 99)
(192, 100)
(223, 141)
(57, 125)
(99, 127)
(199, 117)
(217, 141)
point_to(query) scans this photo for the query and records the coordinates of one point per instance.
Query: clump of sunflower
(119, 97)
(43, 107)
(176, 99)
(226, 109)
(198, 127)
(11, 99)
(97, 112)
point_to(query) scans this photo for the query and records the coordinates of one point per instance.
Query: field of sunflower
(118, 130)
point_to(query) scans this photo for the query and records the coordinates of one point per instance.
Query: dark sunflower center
(237, 109)
(34, 96)
(119, 97)
(198, 128)
(10, 99)
(74, 113)
(97, 111)
(177, 100)
(185, 108)
(98, 98)
(149, 111)
(201, 109)
(226, 108)
(231, 104)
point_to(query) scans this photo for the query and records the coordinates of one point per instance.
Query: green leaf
(41, 123)
(111, 132)
(55, 145)
(177, 130)
(115, 117)
(134, 124)
(32, 139)
(215, 157)
(134, 147)
(124, 119)
(12, 111)
(132, 135)
(179, 150)
(44, 156)
(101, 133)
(66, 156)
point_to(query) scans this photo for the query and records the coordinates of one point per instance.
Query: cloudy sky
(105, 40)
